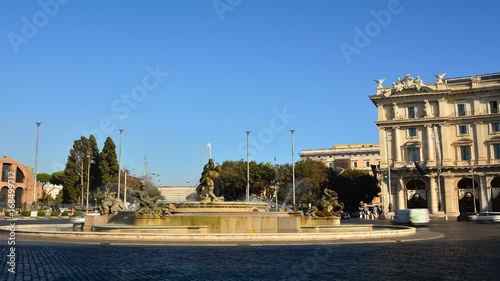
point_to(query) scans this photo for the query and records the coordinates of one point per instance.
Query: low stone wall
(254, 222)
(310, 221)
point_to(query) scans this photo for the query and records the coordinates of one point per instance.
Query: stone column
(450, 197)
(431, 152)
(447, 150)
(481, 137)
(433, 200)
(397, 148)
(485, 194)
(401, 195)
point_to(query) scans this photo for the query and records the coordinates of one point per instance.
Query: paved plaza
(467, 251)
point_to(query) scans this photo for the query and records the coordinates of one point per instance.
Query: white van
(412, 217)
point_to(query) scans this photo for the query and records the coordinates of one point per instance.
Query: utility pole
(36, 162)
(293, 172)
(248, 169)
(119, 164)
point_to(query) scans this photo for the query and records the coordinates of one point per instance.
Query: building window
(5, 171)
(465, 153)
(411, 112)
(412, 132)
(461, 109)
(331, 165)
(495, 127)
(496, 151)
(378, 164)
(462, 130)
(19, 175)
(367, 164)
(355, 164)
(493, 106)
(413, 154)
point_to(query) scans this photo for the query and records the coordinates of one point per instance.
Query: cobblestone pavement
(468, 252)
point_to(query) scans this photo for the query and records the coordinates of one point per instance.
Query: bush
(8, 214)
(64, 214)
(54, 214)
(26, 213)
(40, 213)
(78, 213)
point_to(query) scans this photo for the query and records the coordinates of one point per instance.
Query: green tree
(108, 163)
(284, 183)
(234, 177)
(75, 172)
(311, 178)
(354, 186)
(95, 173)
(43, 178)
(57, 178)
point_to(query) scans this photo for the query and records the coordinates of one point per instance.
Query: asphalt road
(463, 251)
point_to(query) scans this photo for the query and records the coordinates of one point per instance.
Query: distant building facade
(20, 179)
(178, 193)
(346, 156)
(442, 141)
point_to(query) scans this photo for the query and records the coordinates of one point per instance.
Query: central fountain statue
(327, 205)
(148, 204)
(205, 189)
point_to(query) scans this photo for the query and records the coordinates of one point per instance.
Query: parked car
(467, 216)
(414, 217)
(488, 217)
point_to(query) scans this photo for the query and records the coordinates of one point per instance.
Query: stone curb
(388, 232)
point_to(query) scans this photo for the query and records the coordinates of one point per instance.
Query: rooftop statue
(205, 189)
(439, 77)
(406, 83)
(379, 82)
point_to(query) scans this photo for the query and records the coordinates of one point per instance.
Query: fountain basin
(239, 222)
(55, 233)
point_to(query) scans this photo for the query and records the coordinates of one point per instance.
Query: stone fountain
(210, 214)
(213, 220)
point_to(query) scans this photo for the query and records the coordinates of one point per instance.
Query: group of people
(366, 212)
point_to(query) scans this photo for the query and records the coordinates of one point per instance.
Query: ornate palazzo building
(442, 141)
(346, 156)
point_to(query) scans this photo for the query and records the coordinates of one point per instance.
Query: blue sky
(176, 75)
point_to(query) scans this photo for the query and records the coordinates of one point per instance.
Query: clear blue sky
(263, 66)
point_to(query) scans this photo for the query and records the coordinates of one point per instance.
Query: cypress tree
(108, 162)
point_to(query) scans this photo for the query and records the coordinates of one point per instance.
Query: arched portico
(416, 194)
(468, 191)
(495, 194)
(19, 197)
(4, 197)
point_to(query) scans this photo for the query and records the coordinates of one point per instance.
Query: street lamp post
(293, 171)
(248, 169)
(276, 183)
(125, 189)
(36, 161)
(119, 163)
(88, 183)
